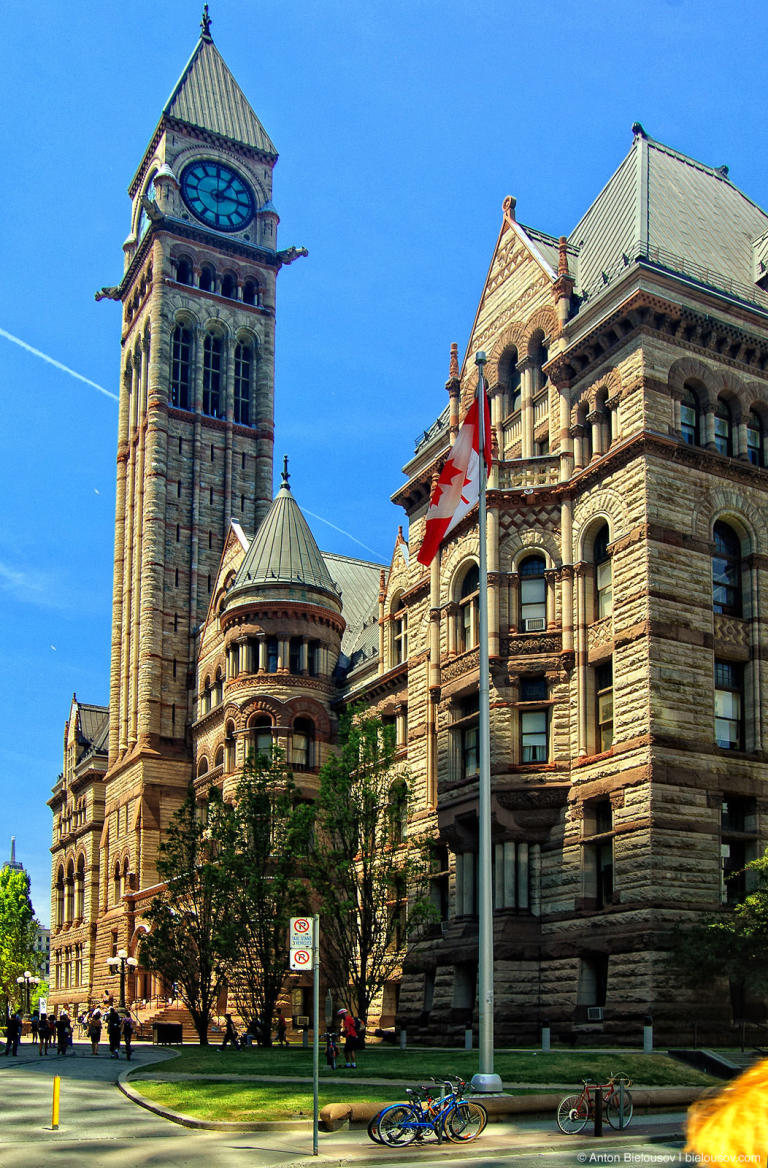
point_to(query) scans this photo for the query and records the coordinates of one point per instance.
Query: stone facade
(627, 589)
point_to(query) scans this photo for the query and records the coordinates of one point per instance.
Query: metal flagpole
(485, 1080)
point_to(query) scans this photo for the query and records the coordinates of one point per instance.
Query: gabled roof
(358, 581)
(207, 97)
(663, 207)
(283, 560)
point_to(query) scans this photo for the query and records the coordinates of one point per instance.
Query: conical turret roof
(283, 561)
(207, 97)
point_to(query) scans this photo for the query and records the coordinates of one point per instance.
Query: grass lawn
(243, 1102)
(417, 1065)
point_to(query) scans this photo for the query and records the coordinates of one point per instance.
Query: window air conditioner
(534, 624)
(594, 1013)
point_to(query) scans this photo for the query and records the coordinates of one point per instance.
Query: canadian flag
(458, 487)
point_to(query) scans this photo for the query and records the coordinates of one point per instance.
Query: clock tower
(195, 439)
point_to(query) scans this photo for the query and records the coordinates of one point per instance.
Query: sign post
(304, 955)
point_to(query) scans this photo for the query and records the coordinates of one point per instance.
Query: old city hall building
(628, 585)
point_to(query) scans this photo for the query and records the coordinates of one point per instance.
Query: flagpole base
(486, 1084)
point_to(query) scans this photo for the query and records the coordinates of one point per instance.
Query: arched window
(60, 917)
(181, 366)
(251, 292)
(302, 747)
(229, 287)
(229, 746)
(126, 870)
(70, 892)
(80, 888)
(212, 350)
(690, 418)
(243, 373)
(513, 383)
(219, 758)
(261, 736)
(539, 355)
(399, 632)
(723, 428)
(202, 767)
(603, 574)
(116, 889)
(218, 688)
(207, 278)
(468, 609)
(755, 439)
(184, 272)
(726, 570)
(533, 594)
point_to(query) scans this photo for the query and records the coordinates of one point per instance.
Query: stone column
(526, 407)
(581, 659)
(566, 441)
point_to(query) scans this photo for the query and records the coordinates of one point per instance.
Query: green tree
(367, 875)
(18, 930)
(732, 944)
(192, 940)
(272, 835)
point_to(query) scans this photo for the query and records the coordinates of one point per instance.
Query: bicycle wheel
(397, 1125)
(373, 1128)
(465, 1121)
(572, 1114)
(612, 1109)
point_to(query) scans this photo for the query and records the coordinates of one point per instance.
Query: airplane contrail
(51, 361)
(343, 532)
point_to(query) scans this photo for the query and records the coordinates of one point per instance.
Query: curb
(212, 1124)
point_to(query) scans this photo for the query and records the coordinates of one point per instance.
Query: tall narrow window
(212, 375)
(468, 611)
(229, 747)
(243, 365)
(723, 428)
(603, 574)
(207, 279)
(604, 705)
(181, 354)
(261, 736)
(272, 654)
(729, 705)
(533, 735)
(755, 439)
(726, 570)
(466, 738)
(690, 419)
(514, 384)
(302, 744)
(400, 633)
(184, 272)
(251, 292)
(533, 595)
(738, 846)
(295, 654)
(229, 287)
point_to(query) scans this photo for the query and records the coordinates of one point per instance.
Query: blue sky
(401, 127)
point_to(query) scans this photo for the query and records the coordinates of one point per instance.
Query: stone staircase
(174, 1013)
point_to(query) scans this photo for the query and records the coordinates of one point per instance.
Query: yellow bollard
(55, 1111)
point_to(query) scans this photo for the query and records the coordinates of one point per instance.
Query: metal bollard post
(598, 1111)
(546, 1035)
(305, 1037)
(55, 1107)
(621, 1105)
(468, 1039)
(647, 1034)
(403, 1038)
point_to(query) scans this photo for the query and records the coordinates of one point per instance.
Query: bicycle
(447, 1116)
(574, 1111)
(331, 1049)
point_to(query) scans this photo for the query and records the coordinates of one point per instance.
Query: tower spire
(205, 26)
(285, 475)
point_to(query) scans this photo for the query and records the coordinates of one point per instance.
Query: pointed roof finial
(562, 256)
(205, 25)
(285, 474)
(454, 364)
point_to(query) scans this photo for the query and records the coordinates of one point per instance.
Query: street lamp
(27, 979)
(120, 961)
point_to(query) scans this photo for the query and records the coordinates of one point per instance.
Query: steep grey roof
(283, 555)
(359, 584)
(94, 725)
(663, 207)
(207, 97)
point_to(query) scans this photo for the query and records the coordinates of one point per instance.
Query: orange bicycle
(575, 1111)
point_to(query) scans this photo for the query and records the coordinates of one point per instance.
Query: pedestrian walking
(114, 1026)
(63, 1032)
(34, 1026)
(44, 1035)
(128, 1034)
(13, 1034)
(230, 1034)
(349, 1031)
(51, 1029)
(282, 1028)
(94, 1029)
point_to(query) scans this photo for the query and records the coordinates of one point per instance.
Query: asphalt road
(100, 1128)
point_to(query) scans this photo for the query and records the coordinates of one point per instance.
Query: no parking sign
(301, 942)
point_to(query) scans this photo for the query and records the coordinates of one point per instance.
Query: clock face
(217, 195)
